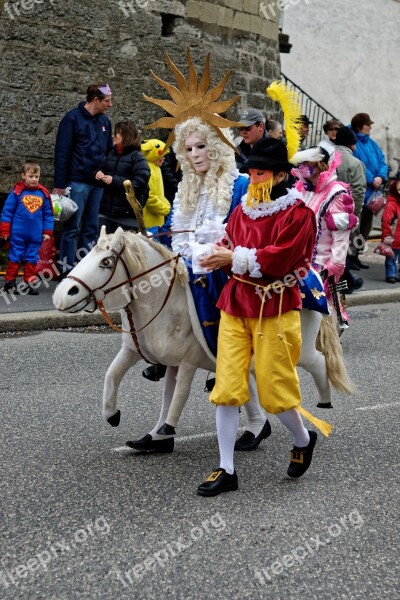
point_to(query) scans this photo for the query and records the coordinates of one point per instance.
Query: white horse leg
(184, 380)
(254, 413)
(168, 392)
(124, 360)
(311, 359)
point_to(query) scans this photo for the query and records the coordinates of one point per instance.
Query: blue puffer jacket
(373, 158)
(82, 144)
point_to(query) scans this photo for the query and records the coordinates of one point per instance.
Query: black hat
(345, 137)
(305, 120)
(268, 154)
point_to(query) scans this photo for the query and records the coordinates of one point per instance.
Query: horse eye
(107, 262)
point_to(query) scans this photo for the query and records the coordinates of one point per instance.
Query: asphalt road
(82, 518)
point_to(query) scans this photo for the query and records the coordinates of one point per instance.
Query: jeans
(392, 264)
(83, 223)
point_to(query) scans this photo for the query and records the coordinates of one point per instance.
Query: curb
(48, 319)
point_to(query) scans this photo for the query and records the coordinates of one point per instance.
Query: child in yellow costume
(157, 206)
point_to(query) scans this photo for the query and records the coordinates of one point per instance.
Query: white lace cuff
(254, 266)
(244, 260)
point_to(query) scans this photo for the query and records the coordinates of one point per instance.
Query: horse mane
(136, 256)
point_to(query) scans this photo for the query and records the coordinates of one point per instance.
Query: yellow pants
(275, 361)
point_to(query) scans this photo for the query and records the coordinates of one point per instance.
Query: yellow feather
(289, 101)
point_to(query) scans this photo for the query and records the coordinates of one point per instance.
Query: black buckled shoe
(248, 441)
(147, 444)
(219, 482)
(300, 458)
(324, 405)
(154, 372)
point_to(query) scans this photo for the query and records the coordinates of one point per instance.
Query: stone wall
(50, 50)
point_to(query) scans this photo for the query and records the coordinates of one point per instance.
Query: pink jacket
(333, 207)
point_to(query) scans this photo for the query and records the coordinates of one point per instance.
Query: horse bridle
(94, 296)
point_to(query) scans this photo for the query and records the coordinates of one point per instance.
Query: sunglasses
(249, 128)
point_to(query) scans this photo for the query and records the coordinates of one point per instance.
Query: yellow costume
(157, 206)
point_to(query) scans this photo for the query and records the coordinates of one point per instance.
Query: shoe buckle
(214, 475)
(296, 456)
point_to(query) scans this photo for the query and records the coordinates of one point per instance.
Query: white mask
(197, 153)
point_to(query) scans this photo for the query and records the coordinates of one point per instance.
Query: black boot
(11, 286)
(154, 372)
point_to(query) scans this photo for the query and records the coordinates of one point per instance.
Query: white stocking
(311, 359)
(292, 420)
(168, 392)
(255, 416)
(227, 418)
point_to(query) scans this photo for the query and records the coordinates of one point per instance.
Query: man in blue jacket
(376, 169)
(83, 140)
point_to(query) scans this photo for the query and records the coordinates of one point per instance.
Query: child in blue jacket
(26, 220)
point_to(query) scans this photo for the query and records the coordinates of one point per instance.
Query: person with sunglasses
(252, 130)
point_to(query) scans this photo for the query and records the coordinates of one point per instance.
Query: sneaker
(388, 280)
(219, 482)
(300, 458)
(248, 441)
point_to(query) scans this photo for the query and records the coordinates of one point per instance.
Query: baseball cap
(250, 116)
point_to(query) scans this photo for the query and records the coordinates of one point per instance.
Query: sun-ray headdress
(193, 98)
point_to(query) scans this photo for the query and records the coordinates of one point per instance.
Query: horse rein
(94, 296)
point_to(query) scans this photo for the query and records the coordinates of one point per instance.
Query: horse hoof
(115, 419)
(166, 430)
(147, 444)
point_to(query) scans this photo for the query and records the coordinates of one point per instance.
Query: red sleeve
(5, 229)
(389, 214)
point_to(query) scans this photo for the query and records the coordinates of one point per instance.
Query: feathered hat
(193, 98)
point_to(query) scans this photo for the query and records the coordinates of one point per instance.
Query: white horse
(148, 284)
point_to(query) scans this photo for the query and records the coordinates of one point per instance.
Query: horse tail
(329, 344)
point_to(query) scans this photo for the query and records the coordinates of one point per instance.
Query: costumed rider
(269, 239)
(210, 189)
(333, 206)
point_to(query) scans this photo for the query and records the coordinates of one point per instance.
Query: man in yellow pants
(268, 246)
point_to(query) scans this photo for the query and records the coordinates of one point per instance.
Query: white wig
(219, 179)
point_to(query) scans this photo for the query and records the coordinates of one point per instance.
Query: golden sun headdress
(193, 98)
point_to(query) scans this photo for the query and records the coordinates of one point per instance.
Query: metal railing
(314, 111)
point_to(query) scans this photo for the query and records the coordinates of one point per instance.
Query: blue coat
(82, 143)
(373, 158)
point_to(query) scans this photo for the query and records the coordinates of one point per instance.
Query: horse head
(100, 275)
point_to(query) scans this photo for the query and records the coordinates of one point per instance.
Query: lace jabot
(266, 209)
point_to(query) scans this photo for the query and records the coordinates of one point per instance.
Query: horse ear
(117, 238)
(103, 232)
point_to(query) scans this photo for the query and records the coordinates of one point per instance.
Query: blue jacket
(82, 143)
(373, 158)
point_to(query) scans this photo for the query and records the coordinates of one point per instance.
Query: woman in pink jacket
(333, 206)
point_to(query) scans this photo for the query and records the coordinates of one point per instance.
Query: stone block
(193, 9)
(241, 21)
(252, 6)
(225, 17)
(256, 24)
(208, 12)
(235, 4)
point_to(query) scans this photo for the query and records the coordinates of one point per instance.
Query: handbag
(376, 202)
(312, 292)
(384, 250)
